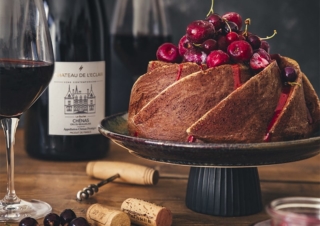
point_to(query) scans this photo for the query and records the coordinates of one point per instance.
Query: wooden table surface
(58, 182)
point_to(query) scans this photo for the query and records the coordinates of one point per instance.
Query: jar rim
(280, 208)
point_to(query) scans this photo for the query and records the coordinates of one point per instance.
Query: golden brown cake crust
(244, 115)
(247, 113)
(292, 122)
(156, 64)
(152, 83)
(312, 103)
(169, 114)
(206, 105)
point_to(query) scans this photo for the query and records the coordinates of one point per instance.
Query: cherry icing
(285, 93)
(236, 76)
(191, 139)
(179, 72)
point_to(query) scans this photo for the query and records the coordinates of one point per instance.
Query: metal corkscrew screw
(94, 188)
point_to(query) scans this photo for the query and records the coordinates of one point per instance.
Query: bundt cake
(231, 90)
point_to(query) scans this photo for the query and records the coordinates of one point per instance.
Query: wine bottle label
(77, 98)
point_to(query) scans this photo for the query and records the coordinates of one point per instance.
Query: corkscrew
(124, 172)
(94, 188)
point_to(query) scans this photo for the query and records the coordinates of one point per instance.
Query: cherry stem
(247, 22)
(197, 45)
(228, 25)
(211, 8)
(269, 37)
(294, 83)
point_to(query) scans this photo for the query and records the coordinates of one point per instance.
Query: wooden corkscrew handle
(119, 172)
(129, 173)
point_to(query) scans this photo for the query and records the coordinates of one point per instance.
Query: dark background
(296, 22)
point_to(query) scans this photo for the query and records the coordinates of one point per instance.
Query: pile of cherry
(66, 218)
(219, 40)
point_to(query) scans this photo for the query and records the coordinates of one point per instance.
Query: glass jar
(294, 211)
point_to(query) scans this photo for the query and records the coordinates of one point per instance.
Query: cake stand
(223, 178)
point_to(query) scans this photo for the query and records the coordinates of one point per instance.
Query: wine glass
(138, 28)
(26, 68)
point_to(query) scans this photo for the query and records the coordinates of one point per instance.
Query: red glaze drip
(135, 134)
(236, 76)
(179, 72)
(191, 139)
(285, 93)
(202, 67)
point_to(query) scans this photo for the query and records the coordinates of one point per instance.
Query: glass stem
(9, 126)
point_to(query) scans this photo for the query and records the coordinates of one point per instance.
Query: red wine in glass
(21, 83)
(138, 28)
(26, 68)
(135, 52)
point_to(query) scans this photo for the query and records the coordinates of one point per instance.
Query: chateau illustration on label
(77, 102)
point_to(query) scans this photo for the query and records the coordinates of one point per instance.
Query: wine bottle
(137, 29)
(63, 123)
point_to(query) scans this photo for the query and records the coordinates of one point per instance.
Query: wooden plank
(305, 170)
(60, 191)
(58, 182)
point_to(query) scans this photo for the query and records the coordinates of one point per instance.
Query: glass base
(15, 212)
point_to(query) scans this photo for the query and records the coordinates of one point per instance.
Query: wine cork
(99, 215)
(129, 173)
(145, 213)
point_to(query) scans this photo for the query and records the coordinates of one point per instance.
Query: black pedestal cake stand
(223, 179)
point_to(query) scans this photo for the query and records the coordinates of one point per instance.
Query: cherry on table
(28, 221)
(79, 221)
(51, 219)
(216, 58)
(240, 51)
(200, 30)
(67, 216)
